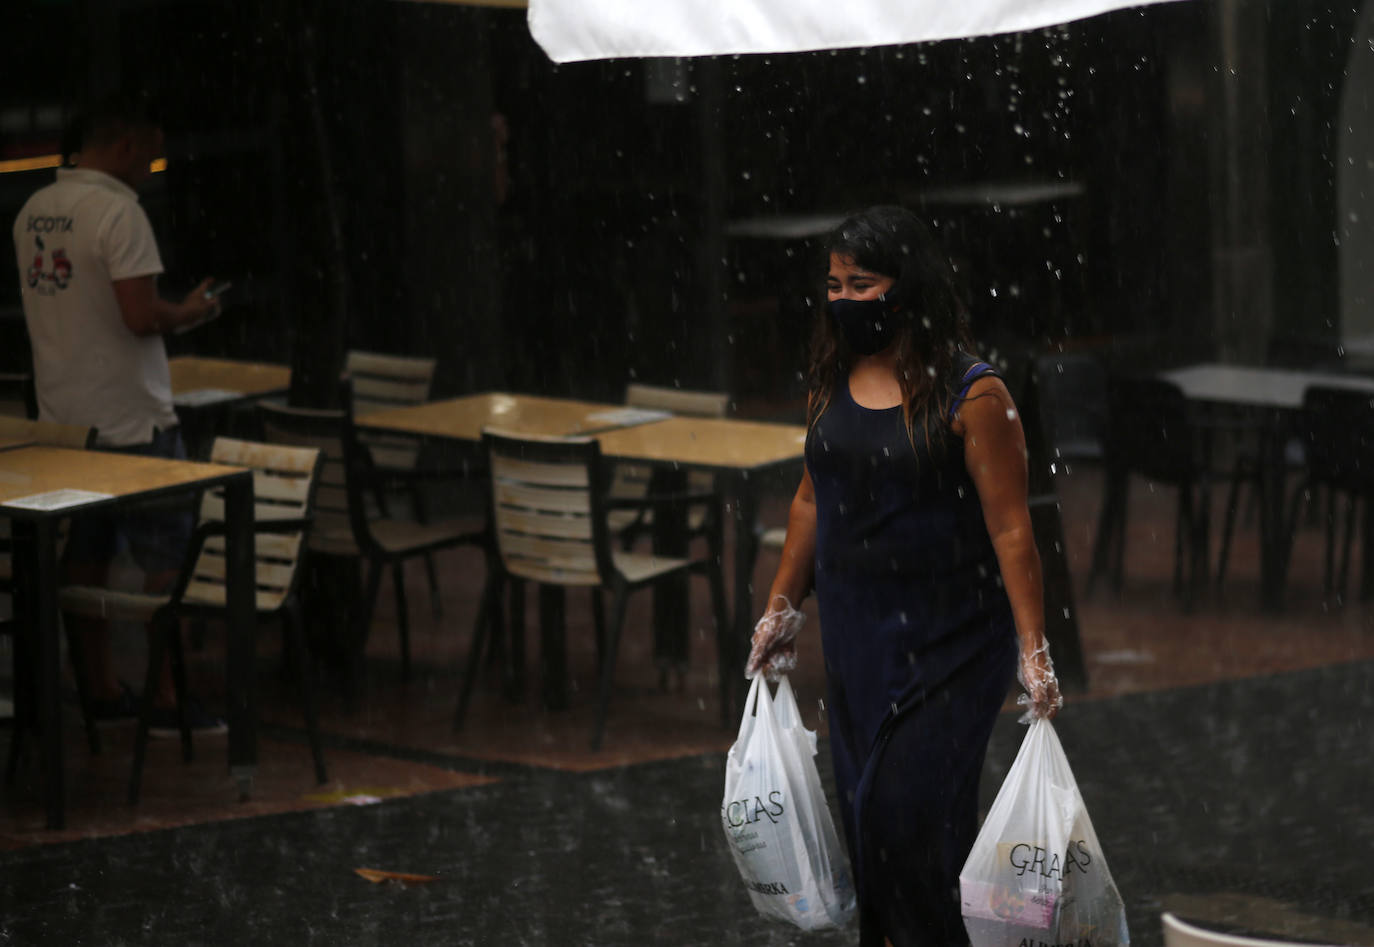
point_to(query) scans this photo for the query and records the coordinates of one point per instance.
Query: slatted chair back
(331, 531)
(546, 508)
(698, 404)
(284, 480)
(18, 399)
(48, 433)
(632, 480)
(382, 381)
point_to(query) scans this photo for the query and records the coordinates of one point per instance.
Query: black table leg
(242, 658)
(1273, 543)
(1366, 548)
(49, 662)
(670, 539)
(553, 645)
(745, 504)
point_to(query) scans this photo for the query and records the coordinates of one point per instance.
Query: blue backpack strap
(971, 374)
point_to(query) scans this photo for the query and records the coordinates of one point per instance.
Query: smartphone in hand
(211, 294)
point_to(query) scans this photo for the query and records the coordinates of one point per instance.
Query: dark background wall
(417, 177)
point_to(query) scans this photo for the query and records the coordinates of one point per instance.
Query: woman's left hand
(1036, 674)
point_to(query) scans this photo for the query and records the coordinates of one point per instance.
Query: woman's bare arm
(773, 649)
(995, 456)
(796, 570)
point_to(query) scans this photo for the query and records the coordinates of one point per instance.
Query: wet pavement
(1245, 804)
(1223, 755)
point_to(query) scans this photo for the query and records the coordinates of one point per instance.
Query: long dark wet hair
(932, 323)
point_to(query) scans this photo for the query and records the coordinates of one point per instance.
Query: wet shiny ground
(1223, 755)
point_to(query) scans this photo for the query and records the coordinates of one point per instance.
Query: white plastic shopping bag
(776, 820)
(1037, 875)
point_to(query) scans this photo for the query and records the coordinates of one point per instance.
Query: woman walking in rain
(912, 523)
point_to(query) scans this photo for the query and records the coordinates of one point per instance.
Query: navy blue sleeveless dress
(920, 651)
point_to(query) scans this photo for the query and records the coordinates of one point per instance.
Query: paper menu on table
(203, 396)
(56, 500)
(625, 417)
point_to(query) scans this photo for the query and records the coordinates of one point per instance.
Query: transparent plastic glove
(774, 649)
(1036, 674)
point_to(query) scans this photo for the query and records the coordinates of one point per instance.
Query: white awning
(575, 30)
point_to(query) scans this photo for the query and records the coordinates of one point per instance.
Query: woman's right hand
(774, 648)
(1036, 674)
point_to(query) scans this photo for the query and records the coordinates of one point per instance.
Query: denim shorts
(155, 533)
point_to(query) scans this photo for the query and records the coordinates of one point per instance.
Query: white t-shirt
(74, 238)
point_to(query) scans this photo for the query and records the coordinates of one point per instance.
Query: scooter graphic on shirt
(61, 273)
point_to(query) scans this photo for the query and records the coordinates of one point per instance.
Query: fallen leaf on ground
(377, 876)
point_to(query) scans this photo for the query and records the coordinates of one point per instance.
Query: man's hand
(199, 305)
(147, 313)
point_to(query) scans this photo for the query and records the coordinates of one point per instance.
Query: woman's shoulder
(967, 368)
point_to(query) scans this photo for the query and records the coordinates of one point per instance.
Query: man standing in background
(88, 264)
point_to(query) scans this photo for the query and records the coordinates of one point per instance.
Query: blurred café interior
(1162, 219)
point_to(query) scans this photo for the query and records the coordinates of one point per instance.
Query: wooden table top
(26, 471)
(714, 443)
(464, 418)
(194, 373)
(9, 443)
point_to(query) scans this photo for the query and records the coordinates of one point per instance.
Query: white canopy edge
(578, 30)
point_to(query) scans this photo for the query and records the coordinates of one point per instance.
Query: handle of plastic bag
(758, 703)
(785, 709)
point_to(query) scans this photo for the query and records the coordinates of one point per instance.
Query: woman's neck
(873, 380)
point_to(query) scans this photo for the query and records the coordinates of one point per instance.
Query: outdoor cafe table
(206, 390)
(39, 486)
(737, 450)
(1273, 396)
(198, 381)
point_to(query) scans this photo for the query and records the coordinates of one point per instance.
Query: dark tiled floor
(1222, 755)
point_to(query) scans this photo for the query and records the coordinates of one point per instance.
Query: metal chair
(548, 516)
(1151, 434)
(1178, 933)
(343, 527)
(378, 381)
(636, 482)
(284, 482)
(1336, 430)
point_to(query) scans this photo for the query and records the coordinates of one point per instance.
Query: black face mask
(868, 325)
